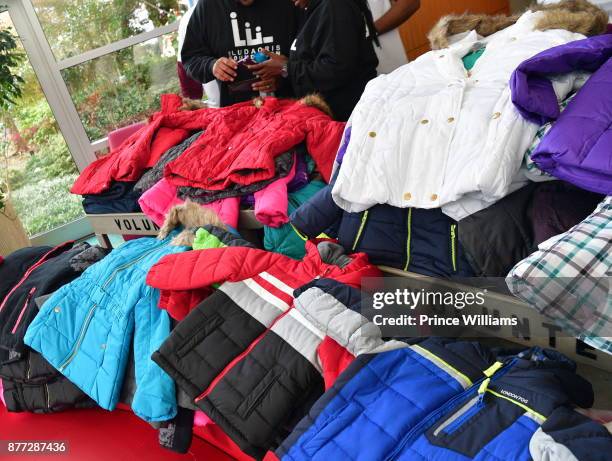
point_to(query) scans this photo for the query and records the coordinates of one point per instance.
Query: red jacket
(176, 274)
(238, 146)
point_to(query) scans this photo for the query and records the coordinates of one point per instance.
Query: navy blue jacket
(448, 400)
(416, 240)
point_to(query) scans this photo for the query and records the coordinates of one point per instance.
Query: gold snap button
(513, 39)
(434, 197)
(497, 115)
(372, 134)
(424, 121)
(450, 119)
(407, 196)
(57, 309)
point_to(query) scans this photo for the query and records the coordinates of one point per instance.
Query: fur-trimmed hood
(580, 16)
(312, 100)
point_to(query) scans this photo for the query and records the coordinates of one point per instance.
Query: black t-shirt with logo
(226, 28)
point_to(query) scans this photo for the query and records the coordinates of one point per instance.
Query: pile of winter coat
(276, 355)
(467, 160)
(257, 155)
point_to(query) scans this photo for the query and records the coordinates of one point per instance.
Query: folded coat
(577, 147)
(238, 146)
(447, 400)
(29, 382)
(432, 134)
(85, 329)
(253, 355)
(498, 237)
(568, 279)
(415, 240)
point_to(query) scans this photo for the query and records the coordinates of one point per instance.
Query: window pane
(35, 161)
(123, 87)
(76, 26)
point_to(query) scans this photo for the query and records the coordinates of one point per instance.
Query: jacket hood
(556, 375)
(579, 16)
(190, 216)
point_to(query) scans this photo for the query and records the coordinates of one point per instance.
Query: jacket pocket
(258, 393)
(457, 418)
(211, 324)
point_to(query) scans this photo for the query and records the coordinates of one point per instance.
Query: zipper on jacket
(408, 238)
(32, 268)
(460, 416)
(364, 220)
(80, 338)
(453, 242)
(23, 309)
(430, 419)
(129, 263)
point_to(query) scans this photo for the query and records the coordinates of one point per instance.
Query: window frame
(48, 71)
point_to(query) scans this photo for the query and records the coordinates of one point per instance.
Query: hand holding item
(269, 85)
(275, 66)
(224, 69)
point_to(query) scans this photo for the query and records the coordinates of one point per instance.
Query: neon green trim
(323, 235)
(523, 406)
(300, 235)
(444, 365)
(364, 219)
(483, 386)
(408, 239)
(493, 369)
(453, 236)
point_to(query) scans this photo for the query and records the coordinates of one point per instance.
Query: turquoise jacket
(85, 329)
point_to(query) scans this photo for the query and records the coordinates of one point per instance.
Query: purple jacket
(578, 148)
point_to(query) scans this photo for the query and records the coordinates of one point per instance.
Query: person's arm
(199, 60)
(400, 12)
(339, 29)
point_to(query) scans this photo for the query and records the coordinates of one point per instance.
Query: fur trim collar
(317, 101)
(580, 16)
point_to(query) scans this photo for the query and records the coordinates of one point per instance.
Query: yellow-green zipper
(409, 236)
(364, 219)
(299, 234)
(453, 236)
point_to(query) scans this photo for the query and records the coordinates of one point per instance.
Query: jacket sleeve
(197, 55)
(319, 214)
(334, 309)
(155, 396)
(340, 28)
(323, 138)
(569, 436)
(201, 268)
(533, 93)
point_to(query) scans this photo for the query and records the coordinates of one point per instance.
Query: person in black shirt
(333, 54)
(222, 32)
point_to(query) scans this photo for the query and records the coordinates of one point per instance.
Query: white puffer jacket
(432, 134)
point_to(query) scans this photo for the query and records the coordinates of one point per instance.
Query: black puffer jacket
(498, 237)
(29, 382)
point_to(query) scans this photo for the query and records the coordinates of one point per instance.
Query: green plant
(10, 86)
(10, 59)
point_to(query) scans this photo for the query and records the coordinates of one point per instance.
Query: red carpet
(97, 435)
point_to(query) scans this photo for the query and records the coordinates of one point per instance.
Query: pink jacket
(270, 203)
(157, 201)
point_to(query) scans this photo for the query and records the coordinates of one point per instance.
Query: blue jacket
(416, 240)
(86, 327)
(447, 400)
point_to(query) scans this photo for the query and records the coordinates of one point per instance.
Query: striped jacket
(257, 353)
